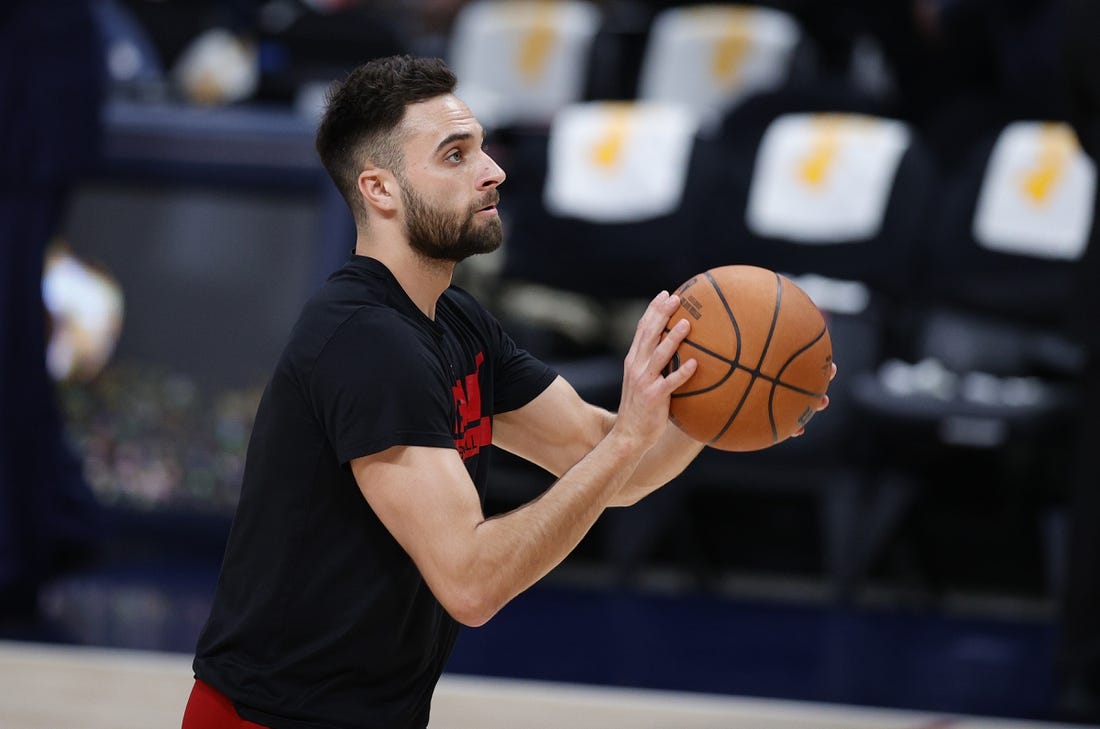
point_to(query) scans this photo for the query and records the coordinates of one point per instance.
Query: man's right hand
(647, 390)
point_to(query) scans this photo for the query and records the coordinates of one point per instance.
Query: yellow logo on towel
(823, 150)
(608, 150)
(1057, 144)
(828, 135)
(537, 45)
(732, 46)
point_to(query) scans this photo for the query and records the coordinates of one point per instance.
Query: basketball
(764, 358)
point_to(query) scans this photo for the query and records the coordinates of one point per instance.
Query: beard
(445, 236)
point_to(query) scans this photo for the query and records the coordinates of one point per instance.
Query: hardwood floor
(56, 687)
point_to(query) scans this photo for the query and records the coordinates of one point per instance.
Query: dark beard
(443, 236)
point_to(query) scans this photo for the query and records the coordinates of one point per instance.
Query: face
(449, 185)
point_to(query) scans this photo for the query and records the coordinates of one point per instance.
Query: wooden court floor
(54, 687)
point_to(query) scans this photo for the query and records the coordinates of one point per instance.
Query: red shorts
(210, 709)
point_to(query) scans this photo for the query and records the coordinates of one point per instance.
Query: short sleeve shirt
(320, 618)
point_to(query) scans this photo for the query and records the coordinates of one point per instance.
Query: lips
(489, 202)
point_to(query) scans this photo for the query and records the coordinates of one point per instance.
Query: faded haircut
(363, 111)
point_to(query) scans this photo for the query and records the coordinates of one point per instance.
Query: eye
(454, 156)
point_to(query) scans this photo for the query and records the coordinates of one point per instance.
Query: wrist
(625, 444)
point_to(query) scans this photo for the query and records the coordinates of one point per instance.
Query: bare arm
(557, 429)
(663, 462)
(475, 565)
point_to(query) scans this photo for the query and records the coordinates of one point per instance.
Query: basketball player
(359, 544)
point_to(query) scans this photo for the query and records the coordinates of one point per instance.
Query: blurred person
(51, 80)
(204, 50)
(359, 544)
(173, 25)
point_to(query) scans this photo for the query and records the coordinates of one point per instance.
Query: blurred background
(924, 169)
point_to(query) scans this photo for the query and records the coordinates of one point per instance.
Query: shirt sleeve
(378, 384)
(519, 376)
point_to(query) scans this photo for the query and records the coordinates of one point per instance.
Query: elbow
(472, 619)
(630, 498)
(471, 606)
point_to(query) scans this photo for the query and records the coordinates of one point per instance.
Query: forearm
(663, 462)
(480, 573)
(516, 549)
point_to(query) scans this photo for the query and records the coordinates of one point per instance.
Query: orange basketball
(764, 358)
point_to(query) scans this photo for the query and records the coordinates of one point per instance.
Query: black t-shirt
(320, 619)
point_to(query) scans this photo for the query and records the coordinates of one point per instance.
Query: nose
(492, 174)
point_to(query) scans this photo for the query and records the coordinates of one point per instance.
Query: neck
(423, 279)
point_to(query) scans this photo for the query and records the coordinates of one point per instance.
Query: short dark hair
(362, 110)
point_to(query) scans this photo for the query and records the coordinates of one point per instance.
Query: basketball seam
(729, 313)
(763, 353)
(737, 353)
(734, 366)
(779, 375)
(754, 372)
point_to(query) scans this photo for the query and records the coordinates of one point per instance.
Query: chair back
(520, 61)
(710, 57)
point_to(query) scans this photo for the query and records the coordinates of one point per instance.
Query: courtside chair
(711, 57)
(988, 384)
(836, 201)
(519, 61)
(600, 216)
(599, 201)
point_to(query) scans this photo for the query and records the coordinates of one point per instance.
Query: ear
(379, 189)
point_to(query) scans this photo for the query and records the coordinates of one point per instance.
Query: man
(360, 543)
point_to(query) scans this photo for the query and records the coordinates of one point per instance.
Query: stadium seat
(990, 374)
(711, 57)
(599, 214)
(519, 62)
(834, 200)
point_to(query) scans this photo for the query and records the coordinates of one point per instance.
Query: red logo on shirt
(472, 429)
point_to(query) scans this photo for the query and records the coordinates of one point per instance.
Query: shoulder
(341, 341)
(463, 304)
(354, 307)
(378, 332)
(374, 356)
(464, 300)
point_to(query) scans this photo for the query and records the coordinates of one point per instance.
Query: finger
(667, 347)
(673, 380)
(643, 323)
(821, 405)
(832, 373)
(655, 321)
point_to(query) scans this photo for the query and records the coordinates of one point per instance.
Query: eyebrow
(456, 137)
